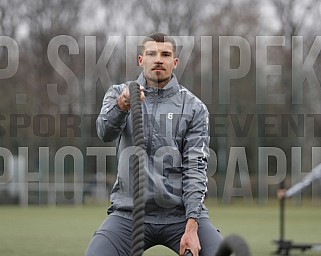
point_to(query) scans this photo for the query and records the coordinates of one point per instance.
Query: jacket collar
(171, 88)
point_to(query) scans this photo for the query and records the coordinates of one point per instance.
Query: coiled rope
(137, 248)
(233, 245)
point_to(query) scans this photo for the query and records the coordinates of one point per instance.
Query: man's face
(158, 62)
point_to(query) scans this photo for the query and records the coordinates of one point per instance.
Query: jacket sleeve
(195, 155)
(315, 174)
(111, 120)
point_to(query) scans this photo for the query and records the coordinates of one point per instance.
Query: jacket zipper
(152, 122)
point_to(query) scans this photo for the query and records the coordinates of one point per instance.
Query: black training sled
(285, 246)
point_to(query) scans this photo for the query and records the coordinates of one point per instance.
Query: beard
(157, 79)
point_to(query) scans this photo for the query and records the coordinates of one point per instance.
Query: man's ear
(140, 60)
(175, 62)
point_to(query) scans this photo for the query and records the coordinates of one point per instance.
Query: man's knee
(100, 245)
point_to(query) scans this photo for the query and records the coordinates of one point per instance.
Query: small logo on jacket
(170, 115)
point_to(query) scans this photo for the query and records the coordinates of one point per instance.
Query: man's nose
(158, 59)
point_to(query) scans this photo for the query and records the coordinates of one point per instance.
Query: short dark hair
(160, 38)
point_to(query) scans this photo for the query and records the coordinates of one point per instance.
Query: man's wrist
(191, 225)
(192, 218)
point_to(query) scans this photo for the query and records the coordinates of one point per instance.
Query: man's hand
(123, 100)
(190, 240)
(281, 193)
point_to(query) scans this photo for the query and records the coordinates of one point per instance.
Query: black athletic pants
(114, 237)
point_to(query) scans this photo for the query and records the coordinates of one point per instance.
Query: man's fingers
(195, 253)
(182, 250)
(125, 96)
(142, 94)
(125, 100)
(125, 93)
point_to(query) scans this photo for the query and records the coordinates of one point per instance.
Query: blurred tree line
(26, 104)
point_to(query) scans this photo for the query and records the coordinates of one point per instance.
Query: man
(177, 144)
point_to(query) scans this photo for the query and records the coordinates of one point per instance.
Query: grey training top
(176, 133)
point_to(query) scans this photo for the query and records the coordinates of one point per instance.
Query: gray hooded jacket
(176, 136)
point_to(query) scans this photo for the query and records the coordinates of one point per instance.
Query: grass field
(57, 231)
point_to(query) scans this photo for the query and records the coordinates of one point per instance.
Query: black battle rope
(139, 171)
